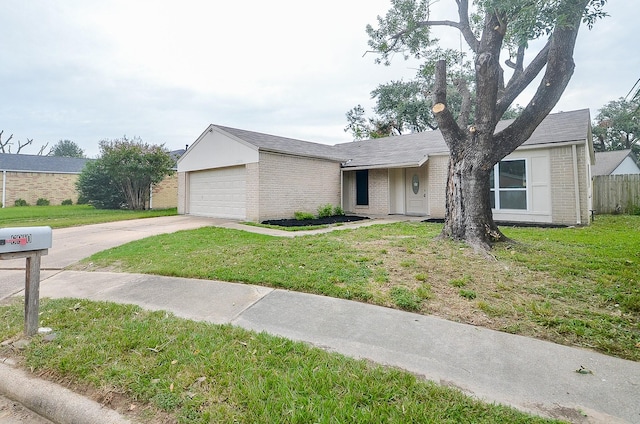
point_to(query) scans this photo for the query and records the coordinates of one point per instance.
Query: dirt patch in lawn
(337, 219)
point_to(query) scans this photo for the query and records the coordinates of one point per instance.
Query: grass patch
(590, 275)
(71, 215)
(200, 373)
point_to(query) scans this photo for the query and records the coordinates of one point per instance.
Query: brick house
(238, 174)
(31, 177)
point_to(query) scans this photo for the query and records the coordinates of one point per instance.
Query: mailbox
(24, 239)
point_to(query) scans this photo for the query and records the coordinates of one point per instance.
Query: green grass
(201, 373)
(587, 279)
(70, 216)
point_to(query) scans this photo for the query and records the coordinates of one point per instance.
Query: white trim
(41, 172)
(496, 186)
(4, 188)
(576, 183)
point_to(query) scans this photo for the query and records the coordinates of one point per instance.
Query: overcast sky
(89, 70)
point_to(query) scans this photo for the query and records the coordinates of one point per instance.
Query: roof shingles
(36, 163)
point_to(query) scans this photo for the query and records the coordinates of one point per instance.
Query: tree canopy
(123, 174)
(490, 29)
(66, 148)
(617, 125)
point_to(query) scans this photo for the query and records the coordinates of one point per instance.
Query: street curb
(52, 401)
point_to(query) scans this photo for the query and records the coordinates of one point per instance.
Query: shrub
(338, 211)
(20, 202)
(42, 202)
(67, 202)
(302, 216)
(325, 211)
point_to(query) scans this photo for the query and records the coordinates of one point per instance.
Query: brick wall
(378, 193)
(437, 168)
(165, 193)
(31, 186)
(182, 193)
(253, 191)
(288, 184)
(563, 199)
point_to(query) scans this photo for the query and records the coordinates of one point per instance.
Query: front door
(416, 191)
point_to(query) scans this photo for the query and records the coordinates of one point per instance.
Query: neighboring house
(616, 162)
(232, 173)
(31, 177)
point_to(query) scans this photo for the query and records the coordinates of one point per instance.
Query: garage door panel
(219, 193)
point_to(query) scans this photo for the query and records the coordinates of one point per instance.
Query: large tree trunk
(468, 205)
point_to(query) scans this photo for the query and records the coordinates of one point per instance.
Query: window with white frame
(509, 185)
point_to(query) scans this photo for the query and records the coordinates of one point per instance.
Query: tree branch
(446, 122)
(6, 143)
(560, 67)
(520, 80)
(20, 146)
(465, 107)
(465, 27)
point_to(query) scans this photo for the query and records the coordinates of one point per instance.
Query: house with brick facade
(245, 175)
(31, 177)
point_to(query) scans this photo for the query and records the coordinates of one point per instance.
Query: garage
(218, 193)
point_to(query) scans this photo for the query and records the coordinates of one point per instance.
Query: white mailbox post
(31, 243)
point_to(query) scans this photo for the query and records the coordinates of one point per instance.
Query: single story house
(616, 162)
(245, 175)
(31, 177)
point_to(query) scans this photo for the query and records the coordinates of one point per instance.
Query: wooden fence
(616, 193)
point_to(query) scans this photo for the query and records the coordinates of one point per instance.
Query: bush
(325, 211)
(338, 211)
(302, 216)
(42, 202)
(67, 202)
(20, 202)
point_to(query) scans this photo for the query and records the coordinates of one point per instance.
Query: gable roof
(607, 162)
(37, 163)
(414, 149)
(410, 150)
(277, 144)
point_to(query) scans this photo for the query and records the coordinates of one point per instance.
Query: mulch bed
(317, 221)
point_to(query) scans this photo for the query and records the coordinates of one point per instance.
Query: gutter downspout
(4, 188)
(150, 196)
(576, 183)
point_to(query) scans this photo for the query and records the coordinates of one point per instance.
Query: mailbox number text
(17, 239)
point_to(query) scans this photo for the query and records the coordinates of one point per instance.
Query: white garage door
(218, 193)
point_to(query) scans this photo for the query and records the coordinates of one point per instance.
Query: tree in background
(66, 148)
(5, 146)
(489, 28)
(617, 126)
(128, 168)
(405, 106)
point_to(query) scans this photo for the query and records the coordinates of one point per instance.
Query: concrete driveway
(73, 244)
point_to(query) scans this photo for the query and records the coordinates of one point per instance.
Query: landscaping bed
(292, 222)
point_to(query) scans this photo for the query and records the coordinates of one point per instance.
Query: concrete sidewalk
(532, 375)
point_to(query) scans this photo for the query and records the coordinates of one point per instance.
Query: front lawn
(70, 216)
(162, 369)
(575, 286)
